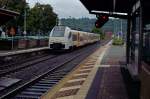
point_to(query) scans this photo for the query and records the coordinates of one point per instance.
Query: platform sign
(119, 34)
(12, 31)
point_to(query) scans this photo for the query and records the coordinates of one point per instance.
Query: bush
(118, 41)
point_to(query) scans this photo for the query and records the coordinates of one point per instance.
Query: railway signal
(102, 19)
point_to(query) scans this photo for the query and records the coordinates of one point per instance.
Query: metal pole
(121, 25)
(25, 21)
(121, 30)
(57, 21)
(114, 27)
(114, 5)
(140, 37)
(128, 39)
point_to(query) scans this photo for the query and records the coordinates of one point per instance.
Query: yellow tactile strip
(75, 83)
(65, 93)
(86, 71)
(77, 78)
(71, 87)
(80, 76)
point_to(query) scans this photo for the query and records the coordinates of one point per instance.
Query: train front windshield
(58, 31)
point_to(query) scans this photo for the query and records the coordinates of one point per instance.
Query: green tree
(98, 31)
(41, 18)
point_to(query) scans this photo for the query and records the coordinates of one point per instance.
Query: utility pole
(57, 21)
(121, 25)
(122, 29)
(25, 20)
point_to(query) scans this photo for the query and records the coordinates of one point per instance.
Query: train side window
(74, 37)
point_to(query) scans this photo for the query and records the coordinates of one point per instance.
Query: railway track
(45, 81)
(15, 59)
(39, 88)
(24, 59)
(34, 85)
(6, 70)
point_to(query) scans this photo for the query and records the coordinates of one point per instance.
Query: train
(64, 38)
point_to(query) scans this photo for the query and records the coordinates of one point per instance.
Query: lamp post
(121, 25)
(41, 10)
(25, 22)
(25, 19)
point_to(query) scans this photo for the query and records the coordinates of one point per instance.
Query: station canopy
(115, 8)
(6, 15)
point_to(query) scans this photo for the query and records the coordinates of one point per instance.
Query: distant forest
(87, 24)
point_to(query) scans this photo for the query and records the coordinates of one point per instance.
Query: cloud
(66, 8)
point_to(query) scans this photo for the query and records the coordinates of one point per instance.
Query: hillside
(86, 24)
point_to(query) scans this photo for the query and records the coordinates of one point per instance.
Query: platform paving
(98, 77)
(21, 51)
(6, 82)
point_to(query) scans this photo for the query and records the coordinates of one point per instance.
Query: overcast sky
(66, 8)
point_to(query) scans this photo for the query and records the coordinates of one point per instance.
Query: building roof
(6, 15)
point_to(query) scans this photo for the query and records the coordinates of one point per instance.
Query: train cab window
(58, 32)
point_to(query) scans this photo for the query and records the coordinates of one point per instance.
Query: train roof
(78, 31)
(61, 26)
(74, 30)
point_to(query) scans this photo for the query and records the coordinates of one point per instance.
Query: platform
(14, 52)
(97, 77)
(6, 82)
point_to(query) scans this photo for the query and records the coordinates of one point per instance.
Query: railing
(23, 42)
